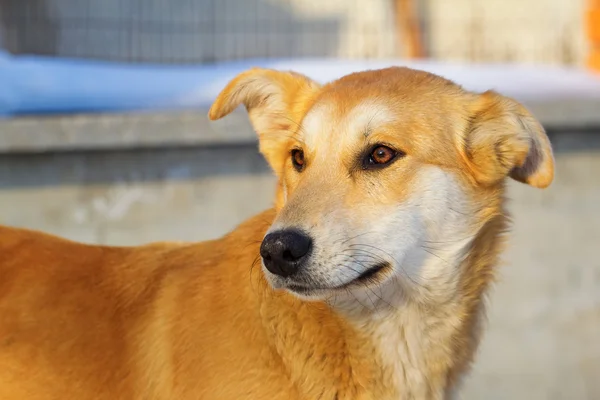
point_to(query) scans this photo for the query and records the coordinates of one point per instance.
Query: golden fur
(201, 321)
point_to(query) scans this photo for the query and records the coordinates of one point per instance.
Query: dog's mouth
(371, 275)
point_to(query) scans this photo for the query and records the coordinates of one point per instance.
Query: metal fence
(197, 31)
(203, 31)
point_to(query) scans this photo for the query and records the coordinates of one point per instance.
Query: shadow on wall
(164, 31)
(183, 164)
(575, 140)
(138, 165)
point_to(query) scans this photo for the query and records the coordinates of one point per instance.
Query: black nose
(283, 251)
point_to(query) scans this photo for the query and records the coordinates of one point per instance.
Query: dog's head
(385, 177)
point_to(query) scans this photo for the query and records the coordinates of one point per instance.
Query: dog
(365, 280)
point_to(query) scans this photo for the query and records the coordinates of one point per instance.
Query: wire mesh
(205, 31)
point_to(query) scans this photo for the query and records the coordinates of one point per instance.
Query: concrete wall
(543, 340)
(135, 196)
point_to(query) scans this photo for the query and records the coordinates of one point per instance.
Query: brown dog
(388, 223)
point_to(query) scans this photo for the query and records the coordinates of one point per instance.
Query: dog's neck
(385, 345)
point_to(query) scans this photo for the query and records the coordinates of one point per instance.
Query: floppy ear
(275, 100)
(504, 139)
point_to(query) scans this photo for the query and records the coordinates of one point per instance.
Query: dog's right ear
(504, 139)
(276, 101)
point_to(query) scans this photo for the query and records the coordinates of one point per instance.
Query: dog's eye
(298, 159)
(380, 156)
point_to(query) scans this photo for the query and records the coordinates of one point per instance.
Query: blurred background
(104, 137)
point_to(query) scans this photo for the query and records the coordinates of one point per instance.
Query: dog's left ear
(276, 101)
(503, 139)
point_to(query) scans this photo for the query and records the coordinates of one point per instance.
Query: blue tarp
(35, 84)
(43, 85)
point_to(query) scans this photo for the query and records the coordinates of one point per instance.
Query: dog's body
(372, 278)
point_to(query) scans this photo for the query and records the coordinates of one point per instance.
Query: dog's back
(64, 314)
(94, 322)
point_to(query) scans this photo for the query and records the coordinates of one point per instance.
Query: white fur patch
(316, 124)
(419, 238)
(424, 239)
(427, 237)
(325, 123)
(405, 339)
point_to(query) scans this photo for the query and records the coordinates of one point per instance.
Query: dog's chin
(316, 292)
(310, 294)
(302, 291)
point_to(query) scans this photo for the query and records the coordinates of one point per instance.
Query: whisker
(389, 255)
(354, 237)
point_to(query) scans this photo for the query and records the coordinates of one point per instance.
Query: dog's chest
(411, 352)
